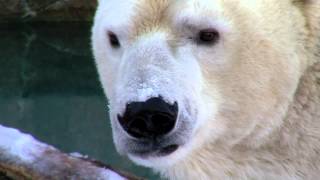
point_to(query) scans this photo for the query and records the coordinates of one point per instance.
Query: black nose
(149, 119)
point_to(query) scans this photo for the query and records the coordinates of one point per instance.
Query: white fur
(240, 110)
(108, 17)
(201, 14)
(147, 68)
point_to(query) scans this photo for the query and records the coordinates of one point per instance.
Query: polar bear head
(180, 75)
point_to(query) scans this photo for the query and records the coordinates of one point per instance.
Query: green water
(49, 88)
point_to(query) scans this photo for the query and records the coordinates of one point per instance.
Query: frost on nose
(148, 69)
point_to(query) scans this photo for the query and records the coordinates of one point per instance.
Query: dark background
(46, 10)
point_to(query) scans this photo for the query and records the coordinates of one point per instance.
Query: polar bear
(213, 89)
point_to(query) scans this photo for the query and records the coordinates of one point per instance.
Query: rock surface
(46, 10)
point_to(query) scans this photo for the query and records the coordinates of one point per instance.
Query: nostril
(138, 127)
(162, 123)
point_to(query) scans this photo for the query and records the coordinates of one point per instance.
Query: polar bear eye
(208, 36)
(113, 40)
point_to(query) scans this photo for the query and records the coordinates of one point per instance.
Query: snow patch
(20, 145)
(110, 175)
(78, 155)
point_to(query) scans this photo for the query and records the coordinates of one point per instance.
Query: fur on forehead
(151, 15)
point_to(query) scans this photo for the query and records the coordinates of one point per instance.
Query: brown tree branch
(23, 157)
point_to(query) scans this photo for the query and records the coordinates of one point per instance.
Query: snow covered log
(23, 157)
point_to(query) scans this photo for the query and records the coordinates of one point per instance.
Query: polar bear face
(225, 71)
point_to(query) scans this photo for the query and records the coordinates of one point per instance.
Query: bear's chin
(161, 161)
